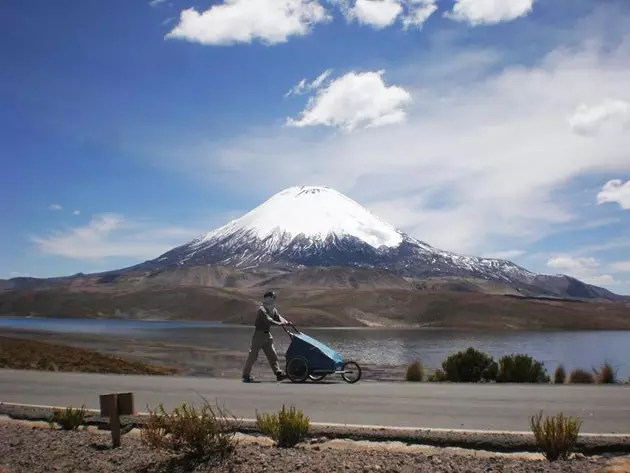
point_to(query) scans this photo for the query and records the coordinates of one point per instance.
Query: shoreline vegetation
(466, 366)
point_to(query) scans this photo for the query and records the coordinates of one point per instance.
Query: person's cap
(269, 295)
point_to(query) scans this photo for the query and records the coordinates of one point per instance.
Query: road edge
(493, 441)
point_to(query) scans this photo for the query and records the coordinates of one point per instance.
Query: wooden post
(114, 406)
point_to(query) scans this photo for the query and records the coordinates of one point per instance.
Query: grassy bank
(22, 354)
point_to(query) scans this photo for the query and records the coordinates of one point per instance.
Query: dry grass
(560, 375)
(580, 376)
(23, 354)
(606, 374)
(287, 427)
(69, 418)
(556, 436)
(415, 372)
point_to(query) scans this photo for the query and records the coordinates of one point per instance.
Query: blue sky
(496, 128)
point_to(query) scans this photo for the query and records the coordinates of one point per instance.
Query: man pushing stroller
(266, 316)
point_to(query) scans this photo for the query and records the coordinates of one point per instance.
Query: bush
(580, 376)
(560, 375)
(556, 436)
(287, 428)
(438, 377)
(521, 369)
(197, 434)
(415, 372)
(606, 374)
(69, 418)
(469, 366)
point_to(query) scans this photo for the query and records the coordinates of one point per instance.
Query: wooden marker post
(114, 406)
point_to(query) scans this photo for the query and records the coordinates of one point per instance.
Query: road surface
(604, 409)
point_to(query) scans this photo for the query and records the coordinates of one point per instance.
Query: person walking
(266, 316)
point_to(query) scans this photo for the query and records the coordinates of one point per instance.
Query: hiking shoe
(280, 376)
(248, 379)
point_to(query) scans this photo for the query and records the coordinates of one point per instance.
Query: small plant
(521, 369)
(286, 428)
(438, 377)
(415, 372)
(469, 366)
(560, 375)
(606, 374)
(69, 418)
(198, 434)
(556, 436)
(580, 376)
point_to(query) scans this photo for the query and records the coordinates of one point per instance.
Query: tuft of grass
(560, 375)
(518, 368)
(438, 376)
(69, 418)
(580, 376)
(556, 436)
(287, 427)
(470, 366)
(606, 374)
(201, 434)
(415, 372)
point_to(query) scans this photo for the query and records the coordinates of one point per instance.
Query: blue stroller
(307, 358)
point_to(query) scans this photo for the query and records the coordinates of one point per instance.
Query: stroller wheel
(351, 372)
(316, 377)
(297, 369)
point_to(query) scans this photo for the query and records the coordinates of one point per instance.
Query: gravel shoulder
(38, 448)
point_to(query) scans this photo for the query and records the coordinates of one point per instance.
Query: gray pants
(264, 341)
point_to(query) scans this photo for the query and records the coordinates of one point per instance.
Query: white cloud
(620, 267)
(586, 269)
(615, 191)
(375, 13)
(76, 212)
(303, 86)
(355, 100)
(590, 120)
(418, 12)
(55, 207)
(155, 3)
(111, 235)
(243, 21)
(478, 12)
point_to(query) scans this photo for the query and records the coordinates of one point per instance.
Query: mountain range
(305, 240)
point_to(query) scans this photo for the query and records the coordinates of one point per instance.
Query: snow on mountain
(311, 226)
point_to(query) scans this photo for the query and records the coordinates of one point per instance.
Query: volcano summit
(310, 226)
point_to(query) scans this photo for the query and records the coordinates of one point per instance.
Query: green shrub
(560, 375)
(199, 434)
(556, 436)
(286, 428)
(69, 418)
(415, 372)
(521, 369)
(438, 377)
(469, 366)
(580, 376)
(606, 374)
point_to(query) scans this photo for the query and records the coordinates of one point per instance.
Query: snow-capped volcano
(318, 226)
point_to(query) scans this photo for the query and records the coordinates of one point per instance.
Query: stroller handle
(293, 327)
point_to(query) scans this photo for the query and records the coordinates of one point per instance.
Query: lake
(380, 346)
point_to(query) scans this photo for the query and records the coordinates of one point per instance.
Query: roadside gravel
(37, 448)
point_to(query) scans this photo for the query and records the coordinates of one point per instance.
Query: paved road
(604, 409)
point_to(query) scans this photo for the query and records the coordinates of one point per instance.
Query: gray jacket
(265, 320)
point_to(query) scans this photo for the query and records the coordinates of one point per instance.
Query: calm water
(371, 345)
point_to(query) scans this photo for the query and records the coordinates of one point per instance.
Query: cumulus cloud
(478, 12)
(355, 100)
(620, 267)
(111, 235)
(615, 191)
(589, 120)
(243, 21)
(380, 14)
(76, 212)
(55, 207)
